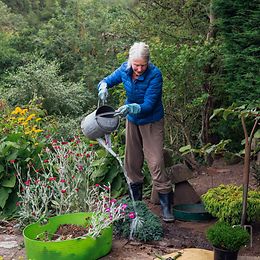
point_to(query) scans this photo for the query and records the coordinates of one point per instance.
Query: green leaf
(117, 183)
(257, 134)
(9, 181)
(10, 206)
(113, 173)
(1, 168)
(226, 113)
(185, 148)
(216, 112)
(12, 156)
(4, 194)
(55, 203)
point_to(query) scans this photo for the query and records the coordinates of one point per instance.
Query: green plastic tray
(191, 212)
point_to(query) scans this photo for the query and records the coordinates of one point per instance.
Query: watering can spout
(100, 122)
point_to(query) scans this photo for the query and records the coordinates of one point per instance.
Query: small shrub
(151, 228)
(224, 236)
(225, 203)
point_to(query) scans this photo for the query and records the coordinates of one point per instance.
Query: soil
(69, 231)
(180, 234)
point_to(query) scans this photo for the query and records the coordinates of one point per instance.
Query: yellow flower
(17, 110)
(21, 119)
(24, 111)
(38, 119)
(38, 130)
(25, 123)
(30, 117)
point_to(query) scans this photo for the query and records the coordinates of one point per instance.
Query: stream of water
(137, 221)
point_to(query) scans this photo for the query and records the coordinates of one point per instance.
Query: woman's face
(139, 66)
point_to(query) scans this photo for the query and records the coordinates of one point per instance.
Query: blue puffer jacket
(146, 91)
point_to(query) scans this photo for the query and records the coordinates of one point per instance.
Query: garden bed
(177, 235)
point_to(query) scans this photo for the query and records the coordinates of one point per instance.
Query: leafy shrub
(225, 203)
(151, 228)
(224, 236)
(41, 79)
(21, 141)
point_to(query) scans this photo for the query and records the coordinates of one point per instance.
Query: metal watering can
(100, 122)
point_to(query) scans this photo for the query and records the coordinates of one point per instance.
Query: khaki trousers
(146, 142)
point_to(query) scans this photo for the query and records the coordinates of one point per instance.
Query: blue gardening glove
(102, 91)
(128, 109)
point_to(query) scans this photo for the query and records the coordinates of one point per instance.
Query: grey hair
(139, 50)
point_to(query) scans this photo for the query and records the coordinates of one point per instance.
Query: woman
(144, 125)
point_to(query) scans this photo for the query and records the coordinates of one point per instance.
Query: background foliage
(58, 51)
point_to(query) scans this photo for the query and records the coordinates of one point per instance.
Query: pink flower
(124, 206)
(80, 168)
(63, 191)
(76, 189)
(27, 183)
(90, 145)
(131, 215)
(106, 187)
(12, 161)
(52, 178)
(62, 181)
(97, 185)
(45, 161)
(37, 181)
(64, 142)
(113, 201)
(107, 209)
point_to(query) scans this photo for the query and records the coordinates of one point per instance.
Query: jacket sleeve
(153, 93)
(113, 79)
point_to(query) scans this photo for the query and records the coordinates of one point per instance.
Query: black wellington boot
(166, 205)
(137, 189)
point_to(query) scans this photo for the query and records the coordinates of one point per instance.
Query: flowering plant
(62, 185)
(105, 209)
(21, 140)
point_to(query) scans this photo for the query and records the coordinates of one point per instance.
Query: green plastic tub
(73, 249)
(191, 212)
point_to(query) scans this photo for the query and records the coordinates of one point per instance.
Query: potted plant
(226, 240)
(88, 234)
(58, 195)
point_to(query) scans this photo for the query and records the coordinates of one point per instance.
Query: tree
(237, 24)
(41, 79)
(243, 112)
